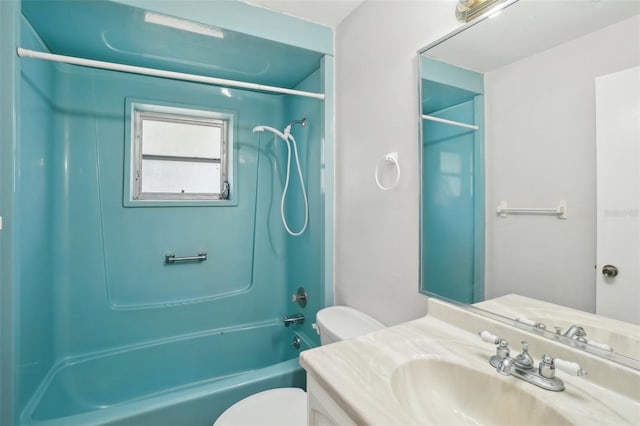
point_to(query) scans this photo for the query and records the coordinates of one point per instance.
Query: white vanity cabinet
(322, 410)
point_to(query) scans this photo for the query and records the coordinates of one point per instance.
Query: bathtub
(186, 381)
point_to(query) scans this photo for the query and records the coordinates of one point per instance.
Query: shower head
(270, 129)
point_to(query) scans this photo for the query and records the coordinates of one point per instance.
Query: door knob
(609, 271)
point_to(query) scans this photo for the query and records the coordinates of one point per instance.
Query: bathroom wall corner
(9, 74)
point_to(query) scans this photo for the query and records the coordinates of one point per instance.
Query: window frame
(136, 112)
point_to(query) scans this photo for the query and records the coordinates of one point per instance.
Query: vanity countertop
(357, 373)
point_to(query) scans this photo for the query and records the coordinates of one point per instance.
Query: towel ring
(391, 157)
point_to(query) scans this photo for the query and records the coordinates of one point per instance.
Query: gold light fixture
(468, 10)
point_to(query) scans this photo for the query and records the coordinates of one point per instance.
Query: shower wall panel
(305, 254)
(34, 258)
(103, 246)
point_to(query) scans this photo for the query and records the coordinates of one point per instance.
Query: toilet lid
(274, 407)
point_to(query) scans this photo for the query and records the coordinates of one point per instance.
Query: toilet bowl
(273, 407)
(288, 406)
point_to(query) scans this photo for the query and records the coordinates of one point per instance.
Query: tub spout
(293, 319)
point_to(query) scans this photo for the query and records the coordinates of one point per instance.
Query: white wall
(540, 148)
(376, 265)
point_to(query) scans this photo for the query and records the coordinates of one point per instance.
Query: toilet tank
(342, 322)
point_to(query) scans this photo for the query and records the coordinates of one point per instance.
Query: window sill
(180, 203)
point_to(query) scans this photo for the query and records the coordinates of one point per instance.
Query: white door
(618, 195)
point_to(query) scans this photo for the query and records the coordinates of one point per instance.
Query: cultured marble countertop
(357, 373)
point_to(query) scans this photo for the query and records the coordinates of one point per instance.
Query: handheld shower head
(270, 129)
(289, 140)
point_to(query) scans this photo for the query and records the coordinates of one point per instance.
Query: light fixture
(468, 10)
(182, 24)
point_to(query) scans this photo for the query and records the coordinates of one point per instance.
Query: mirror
(516, 109)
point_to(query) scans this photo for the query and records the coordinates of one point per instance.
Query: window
(179, 154)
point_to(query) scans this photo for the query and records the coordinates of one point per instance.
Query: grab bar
(171, 258)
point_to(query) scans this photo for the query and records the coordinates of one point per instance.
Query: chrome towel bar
(560, 210)
(171, 258)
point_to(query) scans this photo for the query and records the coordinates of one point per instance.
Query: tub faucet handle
(295, 342)
(300, 297)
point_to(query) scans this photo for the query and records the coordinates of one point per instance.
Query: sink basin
(444, 393)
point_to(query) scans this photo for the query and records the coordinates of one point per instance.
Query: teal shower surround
(452, 204)
(102, 330)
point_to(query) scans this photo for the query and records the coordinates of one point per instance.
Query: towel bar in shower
(171, 258)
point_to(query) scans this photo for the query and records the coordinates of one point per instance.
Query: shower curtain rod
(26, 53)
(453, 123)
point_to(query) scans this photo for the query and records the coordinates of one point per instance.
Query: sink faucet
(574, 332)
(578, 333)
(523, 366)
(293, 319)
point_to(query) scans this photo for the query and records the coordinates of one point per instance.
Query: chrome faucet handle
(548, 365)
(524, 360)
(558, 330)
(501, 361)
(547, 368)
(502, 350)
(300, 297)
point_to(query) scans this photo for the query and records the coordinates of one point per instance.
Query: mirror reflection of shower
(289, 140)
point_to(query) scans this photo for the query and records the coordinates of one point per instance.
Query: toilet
(288, 406)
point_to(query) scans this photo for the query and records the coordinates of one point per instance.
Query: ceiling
(329, 13)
